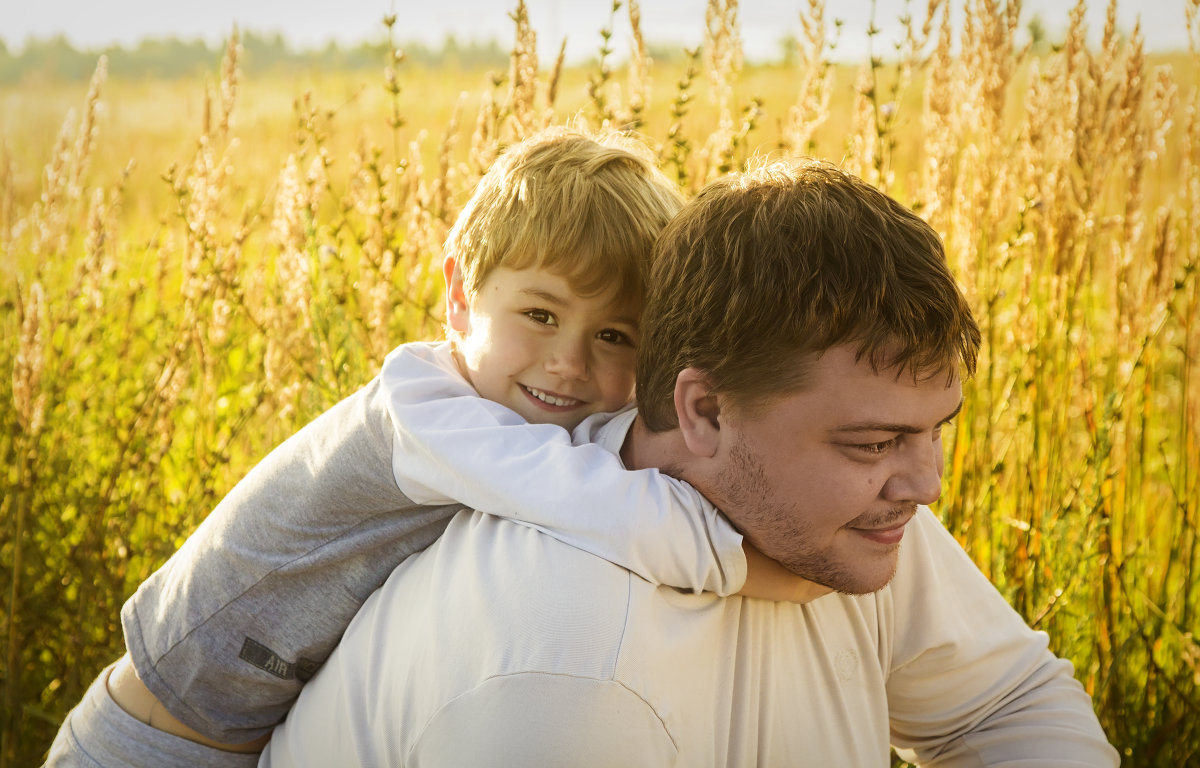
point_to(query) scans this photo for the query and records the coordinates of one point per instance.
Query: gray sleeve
(545, 720)
(228, 630)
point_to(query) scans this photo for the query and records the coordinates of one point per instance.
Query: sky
(94, 24)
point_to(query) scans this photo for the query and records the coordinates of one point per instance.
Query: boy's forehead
(554, 287)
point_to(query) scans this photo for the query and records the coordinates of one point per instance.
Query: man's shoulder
(927, 544)
(526, 569)
(502, 584)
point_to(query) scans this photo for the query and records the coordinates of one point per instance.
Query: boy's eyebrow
(908, 429)
(554, 298)
(538, 293)
(631, 320)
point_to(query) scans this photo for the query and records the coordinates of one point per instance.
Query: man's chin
(848, 580)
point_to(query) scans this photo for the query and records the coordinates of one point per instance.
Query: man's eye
(878, 448)
(614, 337)
(541, 316)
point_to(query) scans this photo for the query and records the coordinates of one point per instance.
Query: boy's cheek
(619, 391)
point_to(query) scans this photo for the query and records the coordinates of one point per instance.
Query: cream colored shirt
(502, 646)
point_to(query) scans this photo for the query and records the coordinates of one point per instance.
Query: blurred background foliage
(200, 251)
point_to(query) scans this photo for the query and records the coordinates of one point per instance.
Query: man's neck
(644, 449)
(667, 452)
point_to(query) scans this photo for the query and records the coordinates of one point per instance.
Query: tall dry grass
(177, 301)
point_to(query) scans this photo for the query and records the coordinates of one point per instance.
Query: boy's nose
(568, 360)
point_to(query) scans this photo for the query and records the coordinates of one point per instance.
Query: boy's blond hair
(765, 270)
(585, 206)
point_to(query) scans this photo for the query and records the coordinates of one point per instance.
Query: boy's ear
(457, 315)
(698, 411)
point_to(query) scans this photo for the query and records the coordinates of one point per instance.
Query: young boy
(545, 270)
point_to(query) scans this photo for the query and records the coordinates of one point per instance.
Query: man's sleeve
(545, 720)
(453, 446)
(970, 683)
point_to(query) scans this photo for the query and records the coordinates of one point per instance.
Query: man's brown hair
(766, 269)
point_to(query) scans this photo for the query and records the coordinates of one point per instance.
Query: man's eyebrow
(908, 429)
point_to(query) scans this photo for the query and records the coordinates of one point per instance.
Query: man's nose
(919, 478)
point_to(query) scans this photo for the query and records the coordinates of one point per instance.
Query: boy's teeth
(548, 398)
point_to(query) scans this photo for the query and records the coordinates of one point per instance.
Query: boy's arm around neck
(450, 445)
(768, 580)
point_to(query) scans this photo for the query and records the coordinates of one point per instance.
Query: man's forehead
(842, 386)
(851, 360)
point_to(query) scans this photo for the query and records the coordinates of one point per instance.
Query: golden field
(191, 270)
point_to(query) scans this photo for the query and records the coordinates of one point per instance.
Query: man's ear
(458, 316)
(698, 411)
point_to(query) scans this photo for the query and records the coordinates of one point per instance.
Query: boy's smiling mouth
(551, 399)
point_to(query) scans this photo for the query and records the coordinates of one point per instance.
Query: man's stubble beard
(782, 531)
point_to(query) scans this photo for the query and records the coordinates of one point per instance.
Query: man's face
(824, 480)
(531, 343)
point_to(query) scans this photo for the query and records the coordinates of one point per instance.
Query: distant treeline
(165, 58)
(57, 58)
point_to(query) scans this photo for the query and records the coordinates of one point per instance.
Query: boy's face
(531, 343)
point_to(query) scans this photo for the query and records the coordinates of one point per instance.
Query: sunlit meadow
(191, 270)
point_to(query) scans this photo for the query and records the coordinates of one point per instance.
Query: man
(802, 350)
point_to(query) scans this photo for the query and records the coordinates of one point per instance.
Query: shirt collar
(607, 430)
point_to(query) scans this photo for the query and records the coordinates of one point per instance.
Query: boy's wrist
(768, 580)
(130, 694)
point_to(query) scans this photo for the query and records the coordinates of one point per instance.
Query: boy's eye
(612, 336)
(541, 316)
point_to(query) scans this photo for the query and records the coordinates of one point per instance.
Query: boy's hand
(768, 580)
